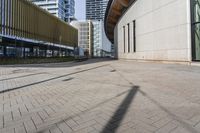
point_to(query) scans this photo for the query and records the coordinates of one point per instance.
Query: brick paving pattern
(100, 96)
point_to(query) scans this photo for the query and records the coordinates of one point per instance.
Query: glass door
(196, 30)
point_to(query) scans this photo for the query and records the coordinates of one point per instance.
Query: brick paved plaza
(100, 96)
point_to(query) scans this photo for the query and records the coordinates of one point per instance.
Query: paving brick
(64, 127)
(96, 98)
(180, 130)
(29, 126)
(55, 129)
(16, 114)
(195, 119)
(168, 127)
(162, 122)
(20, 129)
(37, 119)
(43, 115)
(7, 130)
(84, 125)
(71, 123)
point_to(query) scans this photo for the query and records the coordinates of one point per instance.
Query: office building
(27, 30)
(166, 30)
(102, 46)
(64, 9)
(85, 35)
(95, 11)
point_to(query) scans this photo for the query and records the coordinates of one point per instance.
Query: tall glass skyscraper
(64, 9)
(95, 9)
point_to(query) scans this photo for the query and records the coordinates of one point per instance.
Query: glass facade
(196, 29)
(95, 9)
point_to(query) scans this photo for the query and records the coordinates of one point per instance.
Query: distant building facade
(85, 35)
(63, 9)
(102, 45)
(28, 31)
(95, 11)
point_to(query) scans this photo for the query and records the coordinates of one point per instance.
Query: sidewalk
(100, 96)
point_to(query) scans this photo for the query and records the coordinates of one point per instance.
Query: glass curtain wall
(196, 29)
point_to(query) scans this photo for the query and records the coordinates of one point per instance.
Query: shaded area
(34, 60)
(22, 76)
(113, 71)
(68, 79)
(60, 65)
(58, 77)
(119, 114)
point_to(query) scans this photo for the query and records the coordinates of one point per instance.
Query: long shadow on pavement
(114, 122)
(122, 109)
(58, 77)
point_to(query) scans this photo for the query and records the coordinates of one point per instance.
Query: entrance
(195, 29)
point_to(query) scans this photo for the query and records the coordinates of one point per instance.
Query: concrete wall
(163, 31)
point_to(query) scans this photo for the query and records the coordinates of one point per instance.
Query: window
(128, 38)
(124, 31)
(134, 36)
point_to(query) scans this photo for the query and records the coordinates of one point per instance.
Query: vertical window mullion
(134, 36)
(128, 38)
(124, 34)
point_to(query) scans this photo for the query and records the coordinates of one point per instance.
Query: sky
(80, 9)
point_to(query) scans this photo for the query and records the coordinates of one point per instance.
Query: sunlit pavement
(100, 96)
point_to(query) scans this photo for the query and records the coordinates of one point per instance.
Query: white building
(161, 30)
(85, 35)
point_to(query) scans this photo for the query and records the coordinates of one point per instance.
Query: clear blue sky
(80, 9)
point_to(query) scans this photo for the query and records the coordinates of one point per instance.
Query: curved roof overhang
(114, 11)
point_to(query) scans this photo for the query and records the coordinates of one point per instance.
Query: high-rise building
(95, 9)
(64, 9)
(85, 35)
(102, 46)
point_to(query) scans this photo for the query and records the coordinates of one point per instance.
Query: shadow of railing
(114, 122)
